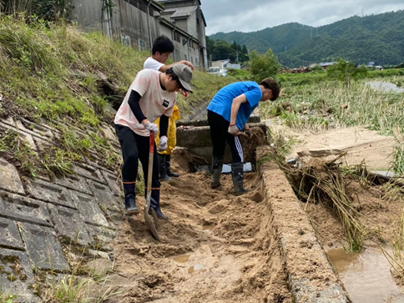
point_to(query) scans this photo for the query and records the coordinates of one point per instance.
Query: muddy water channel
(366, 276)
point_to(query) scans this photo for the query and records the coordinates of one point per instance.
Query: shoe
(156, 206)
(238, 177)
(217, 165)
(164, 177)
(130, 205)
(168, 169)
(171, 174)
(163, 171)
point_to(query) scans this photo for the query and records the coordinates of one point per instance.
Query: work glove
(162, 143)
(233, 130)
(151, 127)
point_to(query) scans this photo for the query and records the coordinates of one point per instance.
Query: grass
(311, 101)
(7, 298)
(331, 104)
(75, 289)
(52, 73)
(85, 284)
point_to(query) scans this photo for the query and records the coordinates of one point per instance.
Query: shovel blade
(150, 224)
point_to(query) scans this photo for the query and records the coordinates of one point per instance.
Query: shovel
(149, 221)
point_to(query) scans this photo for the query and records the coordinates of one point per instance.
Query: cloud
(254, 15)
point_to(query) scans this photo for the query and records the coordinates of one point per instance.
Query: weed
(7, 298)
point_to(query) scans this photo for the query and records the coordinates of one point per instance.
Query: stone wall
(40, 217)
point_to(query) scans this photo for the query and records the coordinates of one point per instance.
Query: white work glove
(162, 143)
(152, 127)
(233, 130)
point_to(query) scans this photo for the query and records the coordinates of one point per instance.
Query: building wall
(88, 14)
(136, 28)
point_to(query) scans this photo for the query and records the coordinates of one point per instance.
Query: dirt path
(215, 248)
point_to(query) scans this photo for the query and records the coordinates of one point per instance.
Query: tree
(346, 71)
(223, 50)
(244, 54)
(264, 66)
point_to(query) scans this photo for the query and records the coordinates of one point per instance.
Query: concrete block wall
(38, 217)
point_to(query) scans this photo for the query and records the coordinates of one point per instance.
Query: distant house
(324, 65)
(185, 23)
(225, 63)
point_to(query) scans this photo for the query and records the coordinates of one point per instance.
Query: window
(185, 57)
(177, 37)
(192, 60)
(191, 44)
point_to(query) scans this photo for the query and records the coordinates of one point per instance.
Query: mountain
(374, 38)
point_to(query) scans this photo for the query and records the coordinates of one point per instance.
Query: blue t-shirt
(222, 101)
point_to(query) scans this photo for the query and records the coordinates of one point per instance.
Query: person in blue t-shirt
(228, 113)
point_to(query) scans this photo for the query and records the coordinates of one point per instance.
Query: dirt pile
(215, 248)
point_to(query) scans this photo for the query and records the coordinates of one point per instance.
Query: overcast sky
(253, 15)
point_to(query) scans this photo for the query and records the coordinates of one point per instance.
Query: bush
(264, 66)
(345, 71)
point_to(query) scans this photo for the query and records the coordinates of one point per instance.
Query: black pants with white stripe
(219, 136)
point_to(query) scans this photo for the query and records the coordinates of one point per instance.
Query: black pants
(219, 136)
(134, 148)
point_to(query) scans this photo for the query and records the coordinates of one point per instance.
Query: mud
(215, 248)
(219, 248)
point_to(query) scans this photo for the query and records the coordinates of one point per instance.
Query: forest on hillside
(374, 38)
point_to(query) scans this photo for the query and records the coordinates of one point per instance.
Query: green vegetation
(5, 298)
(220, 50)
(328, 104)
(322, 100)
(346, 71)
(54, 73)
(373, 38)
(264, 66)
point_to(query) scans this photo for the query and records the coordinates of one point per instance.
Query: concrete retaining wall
(197, 140)
(311, 276)
(39, 216)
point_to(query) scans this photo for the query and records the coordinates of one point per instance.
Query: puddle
(366, 276)
(385, 87)
(181, 259)
(194, 268)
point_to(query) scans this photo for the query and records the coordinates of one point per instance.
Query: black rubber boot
(217, 165)
(168, 169)
(238, 177)
(163, 169)
(155, 204)
(130, 199)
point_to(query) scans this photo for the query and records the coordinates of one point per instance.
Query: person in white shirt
(152, 95)
(162, 48)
